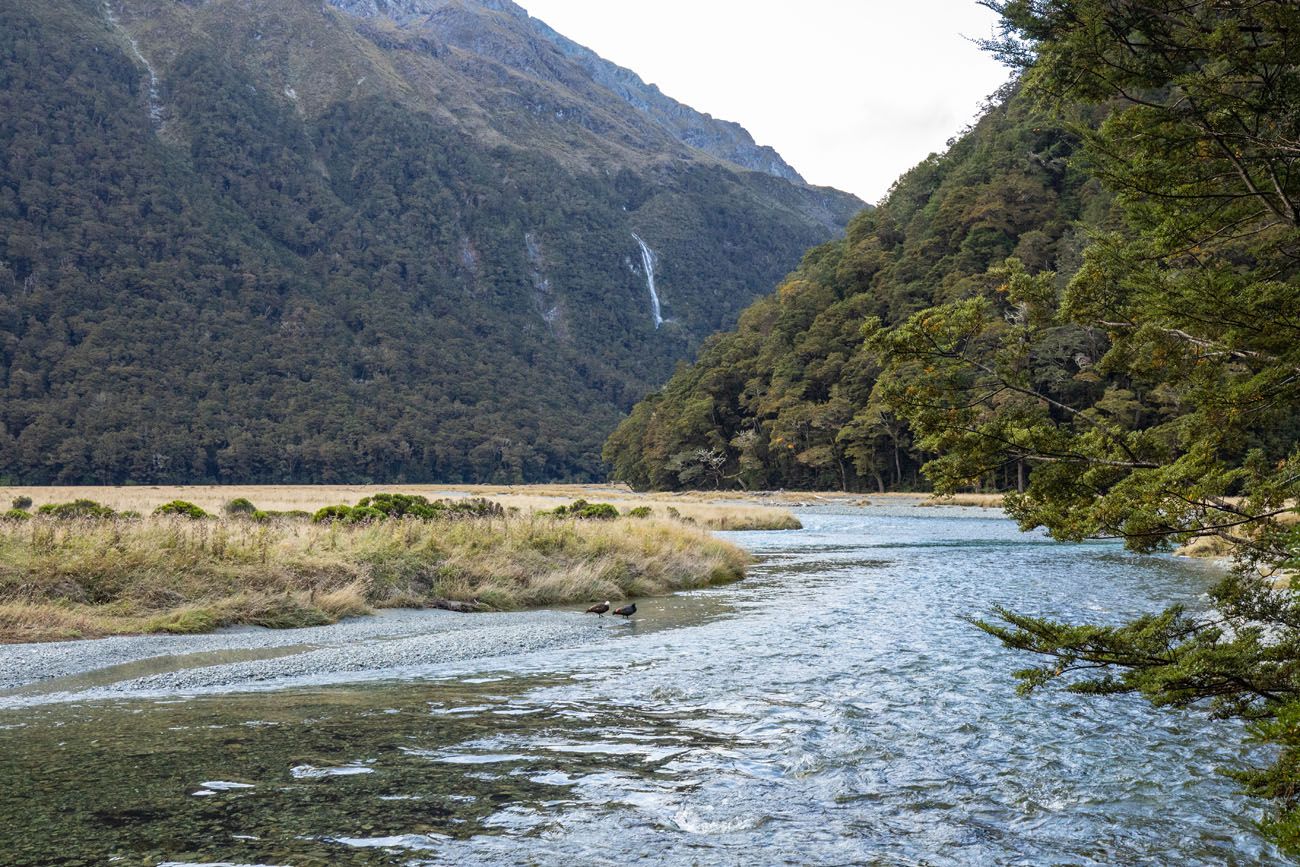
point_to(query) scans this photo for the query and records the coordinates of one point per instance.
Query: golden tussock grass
(983, 501)
(87, 578)
(712, 509)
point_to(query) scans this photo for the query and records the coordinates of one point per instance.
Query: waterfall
(648, 260)
(155, 102)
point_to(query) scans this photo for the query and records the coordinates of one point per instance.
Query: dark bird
(599, 608)
(626, 610)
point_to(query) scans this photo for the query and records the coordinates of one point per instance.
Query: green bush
(76, 509)
(181, 509)
(17, 515)
(598, 512)
(239, 507)
(416, 506)
(639, 512)
(327, 514)
(289, 515)
(586, 511)
(401, 505)
(364, 515)
(22, 504)
(474, 507)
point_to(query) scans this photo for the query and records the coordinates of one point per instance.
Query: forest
(224, 286)
(787, 398)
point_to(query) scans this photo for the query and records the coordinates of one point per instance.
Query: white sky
(851, 92)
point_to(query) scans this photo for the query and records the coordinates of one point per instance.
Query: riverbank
(776, 715)
(243, 658)
(88, 578)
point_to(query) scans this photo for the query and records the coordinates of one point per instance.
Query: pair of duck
(601, 607)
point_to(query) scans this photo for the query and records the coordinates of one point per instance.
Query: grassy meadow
(90, 577)
(713, 510)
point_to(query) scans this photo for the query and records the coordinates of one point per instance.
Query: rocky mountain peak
(504, 32)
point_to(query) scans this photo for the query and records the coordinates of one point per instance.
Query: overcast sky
(851, 92)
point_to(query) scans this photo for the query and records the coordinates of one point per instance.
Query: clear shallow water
(832, 709)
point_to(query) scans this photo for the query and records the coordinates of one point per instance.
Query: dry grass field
(982, 501)
(715, 510)
(81, 578)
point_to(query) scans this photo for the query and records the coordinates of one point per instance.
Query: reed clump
(90, 577)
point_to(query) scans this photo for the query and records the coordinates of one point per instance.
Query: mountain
(785, 399)
(295, 241)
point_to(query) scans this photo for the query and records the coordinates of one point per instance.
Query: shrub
(364, 515)
(240, 506)
(290, 515)
(401, 505)
(327, 514)
(22, 504)
(587, 511)
(182, 509)
(598, 512)
(475, 507)
(639, 512)
(76, 509)
(17, 515)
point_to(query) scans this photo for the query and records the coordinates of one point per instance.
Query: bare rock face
(503, 32)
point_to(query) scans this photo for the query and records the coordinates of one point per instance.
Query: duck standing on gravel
(599, 608)
(626, 611)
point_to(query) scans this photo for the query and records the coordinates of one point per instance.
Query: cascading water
(648, 261)
(155, 101)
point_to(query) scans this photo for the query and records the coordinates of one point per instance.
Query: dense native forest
(786, 400)
(1092, 301)
(202, 280)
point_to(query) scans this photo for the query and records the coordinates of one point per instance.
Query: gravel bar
(256, 658)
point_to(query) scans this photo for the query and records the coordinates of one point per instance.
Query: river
(833, 708)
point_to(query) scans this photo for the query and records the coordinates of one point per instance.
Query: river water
(833, 708)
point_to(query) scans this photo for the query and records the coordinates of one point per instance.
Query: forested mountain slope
(785, 400)
(294, 241)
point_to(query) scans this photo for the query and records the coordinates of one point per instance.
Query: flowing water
(648, 263)
(834, 708)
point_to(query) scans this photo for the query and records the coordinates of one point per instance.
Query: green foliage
(786, 400)
(181, 509)
(583, 510)
(474, 507)
(1185, 421)
(21, 502)
(596, 512)
(330, 514)
(640, 512)
(382, 506)
(290, 515)
(1089, 301)
(364, 515)
(360, 291)
(17, 515)
(402, 505)
(240, 506)
(80, 508)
